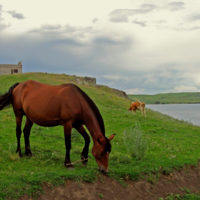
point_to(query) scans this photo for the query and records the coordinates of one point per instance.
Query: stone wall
(85, 80)
(10, 69)
(90, 80)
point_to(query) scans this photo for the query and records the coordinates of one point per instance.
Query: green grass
(171, 144)
(168, 98)
(188, 196)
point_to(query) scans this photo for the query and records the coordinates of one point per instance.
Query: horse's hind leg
(84, 154)
(18, 133)
(27, 130)
(67, 132)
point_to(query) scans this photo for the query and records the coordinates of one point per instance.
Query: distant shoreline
(169, 98)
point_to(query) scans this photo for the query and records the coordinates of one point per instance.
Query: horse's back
(46, 104)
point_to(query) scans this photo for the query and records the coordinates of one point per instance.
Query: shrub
(136, 145)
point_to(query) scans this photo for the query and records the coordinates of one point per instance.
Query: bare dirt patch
(178, 182)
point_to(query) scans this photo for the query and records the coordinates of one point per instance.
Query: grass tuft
(136, 145)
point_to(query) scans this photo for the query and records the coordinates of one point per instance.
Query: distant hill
(168, 98)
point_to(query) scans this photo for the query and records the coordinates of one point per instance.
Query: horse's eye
(102, 154)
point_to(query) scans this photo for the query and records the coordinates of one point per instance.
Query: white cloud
(176, 5)
(135, 91)
(16, 15)
(186, 89)
(121, 15)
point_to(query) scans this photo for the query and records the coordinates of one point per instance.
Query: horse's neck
(94, 129)
(92, 119)
(93, 126)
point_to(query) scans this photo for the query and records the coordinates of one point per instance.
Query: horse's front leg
(67, 132)
(84, 154)
(18, 133)
(27, 130)
(144, 112)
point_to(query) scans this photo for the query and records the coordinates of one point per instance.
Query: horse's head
(101, 151)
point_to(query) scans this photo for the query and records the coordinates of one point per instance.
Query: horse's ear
(112, 136)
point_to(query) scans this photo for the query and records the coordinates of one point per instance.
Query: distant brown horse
(137, 105)
(65, 105)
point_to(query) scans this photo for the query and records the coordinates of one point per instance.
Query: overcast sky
(141, 47)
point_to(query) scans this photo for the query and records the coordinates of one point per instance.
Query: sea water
(186, 112)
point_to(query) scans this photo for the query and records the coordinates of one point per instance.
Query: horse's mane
(94, 109)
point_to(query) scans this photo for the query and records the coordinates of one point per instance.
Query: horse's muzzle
(103, 170)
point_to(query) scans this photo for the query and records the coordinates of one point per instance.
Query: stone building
(11, 69)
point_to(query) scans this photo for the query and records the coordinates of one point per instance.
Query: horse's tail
(137, 100)
(6, 99)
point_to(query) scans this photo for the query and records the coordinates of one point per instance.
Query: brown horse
(137, 105)
(66, 105)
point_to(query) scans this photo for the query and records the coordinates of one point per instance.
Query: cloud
(186, 88)
(174, 6)
(152, 81)
(95, 20)
(63, 53)
(51, 27)
(145, 8)
(14, 14)
(139, 23)
(121, 15)
(160, 22)
(194, 17)
(191, 28)
(65, 31)
(105, 41)
(102, 58)
(2, 24)
(135, 91)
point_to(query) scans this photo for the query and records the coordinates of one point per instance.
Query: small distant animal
(53, 105)
(138, 105)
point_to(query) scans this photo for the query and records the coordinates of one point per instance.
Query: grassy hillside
(142, 146)
(168, 98)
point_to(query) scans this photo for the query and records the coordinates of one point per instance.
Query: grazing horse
(66, 105)
(137, 105)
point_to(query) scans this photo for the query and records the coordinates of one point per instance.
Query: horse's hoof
(70, 166)
(20, 154)
(85, 162)
(28, 151)
(28, 154)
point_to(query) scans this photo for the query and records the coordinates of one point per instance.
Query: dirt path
(178, 182)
